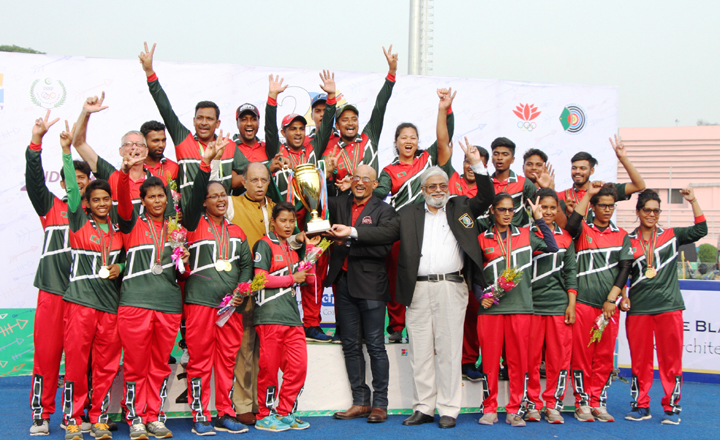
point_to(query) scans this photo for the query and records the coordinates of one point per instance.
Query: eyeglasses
(605, 207)
(504, 210)
(434, 187)
(217, 196)
(364, 179)
(257, 180)
(649, 211)
(134, 144)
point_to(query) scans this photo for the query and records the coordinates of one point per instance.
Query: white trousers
(434, 324)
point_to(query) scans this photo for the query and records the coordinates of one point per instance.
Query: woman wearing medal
(220, 259)
(507, 323)
(150, 302)
(91, 324)
(657, 305)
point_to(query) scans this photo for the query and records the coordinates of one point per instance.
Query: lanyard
(506, 248)
(104, 251)
(286, 255)
(157, 244)
(346, 158)
(650, 250)
(222, 240)
(293, 163)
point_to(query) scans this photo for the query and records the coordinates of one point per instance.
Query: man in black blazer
(359, 275)
(439, 257)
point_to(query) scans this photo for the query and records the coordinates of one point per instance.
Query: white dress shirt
(440, 252)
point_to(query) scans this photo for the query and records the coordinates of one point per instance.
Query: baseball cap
(317, 99)
(247, 107)
(345, 107)
(287, 120)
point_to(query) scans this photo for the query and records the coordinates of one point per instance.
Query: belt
(455, 277)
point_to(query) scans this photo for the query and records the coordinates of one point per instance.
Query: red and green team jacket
(402, 180)
(578, 194)
(86, 240)
(553, 274)
(211, 286)
(260, 152)
(53, 269)
(276, 306)
(650, 296)
(519, 300)
(458, 186)
(188, 149)
(140, 288)
(364, 148)
(598, 254)
(520, 189)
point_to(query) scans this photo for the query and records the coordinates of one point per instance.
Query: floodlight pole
(421, 36)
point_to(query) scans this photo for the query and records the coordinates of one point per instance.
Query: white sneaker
(533, 415)
(601, 415)
(185, 357)
(584, 414)
(553, 416)
(514, 420)
(40, 427)
(488, 419)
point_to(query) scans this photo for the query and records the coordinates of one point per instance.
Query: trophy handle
(296, 190)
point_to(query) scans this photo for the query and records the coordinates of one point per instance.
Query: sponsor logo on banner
(48, 93)
(573, 119)
(526, 112)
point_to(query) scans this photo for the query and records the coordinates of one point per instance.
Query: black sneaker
(395, 336)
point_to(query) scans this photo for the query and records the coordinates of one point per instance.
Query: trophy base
(315, 227)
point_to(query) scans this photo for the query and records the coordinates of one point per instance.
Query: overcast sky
(664, 55)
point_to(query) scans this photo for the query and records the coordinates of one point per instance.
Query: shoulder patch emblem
(467, 221)
(258, 257)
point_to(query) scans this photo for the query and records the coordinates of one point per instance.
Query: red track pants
(281, 348)
(311, 294)
(147, 337)
(48, 336)
(592, 364)
(556, 336)
(471, 345)
(211, 347)
(668, 330)
(514, 332)
(396, 311)
(88, 330)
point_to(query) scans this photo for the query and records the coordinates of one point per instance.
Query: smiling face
(248, 125)
(649, 214)
(532, 167)
(407, 142)
(502, 158)
(155, 201)
(100, 203)
(284, 224)
(549, 209)
(294, 134)
(435, 191)
(503, 211)
(604, 209)
(347, 124)
(216, 200)
(205, 123)
(364, 181)
(468, 172)
(581, 172)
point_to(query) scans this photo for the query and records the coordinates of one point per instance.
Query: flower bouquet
(600, 323)
(311, 257)
(178, 234)
(504, 283)
(241, 291)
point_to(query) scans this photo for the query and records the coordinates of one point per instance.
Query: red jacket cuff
(573, 291)
(152, 77)
(204, 167)
(390, 77)
(332, 101)
(697, 219)
(449, 110)
(272, 101)
(35, 147)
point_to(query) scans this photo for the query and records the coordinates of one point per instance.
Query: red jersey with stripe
(459, 187)
(165, 169)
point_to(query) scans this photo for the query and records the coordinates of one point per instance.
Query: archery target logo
(573, 119)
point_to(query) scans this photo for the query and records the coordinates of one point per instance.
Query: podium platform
(327, 389)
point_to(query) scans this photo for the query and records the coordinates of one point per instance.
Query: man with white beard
(441, 255)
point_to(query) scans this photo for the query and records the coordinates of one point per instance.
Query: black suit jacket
(366, 271)
(408, 227)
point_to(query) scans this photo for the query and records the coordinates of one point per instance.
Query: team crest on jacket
(589, 239)
(258, 257)
(367, 220)
(467, 221)
(278, 258)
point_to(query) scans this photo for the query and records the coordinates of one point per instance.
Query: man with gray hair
(440, 256)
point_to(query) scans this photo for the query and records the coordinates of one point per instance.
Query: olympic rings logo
(526, 126)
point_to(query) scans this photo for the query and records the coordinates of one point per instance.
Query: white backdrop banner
(559, 119)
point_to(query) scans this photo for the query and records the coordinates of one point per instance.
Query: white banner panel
(560, 119)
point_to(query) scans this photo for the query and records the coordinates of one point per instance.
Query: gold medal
(220, 265)
(104, 272)
(650, 273)
(228, 266)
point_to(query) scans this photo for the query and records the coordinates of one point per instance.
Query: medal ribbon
(222, 240)
(158, 244)
(303, 158)
(506, 248)
(346, 158)
(650, 250)
(286, 255)
(104, 251)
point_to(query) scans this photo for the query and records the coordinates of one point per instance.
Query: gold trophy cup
(308, 188)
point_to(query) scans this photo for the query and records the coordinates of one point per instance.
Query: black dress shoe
(418, 418)
(446, 422)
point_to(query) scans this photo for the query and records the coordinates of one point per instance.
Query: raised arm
(548, 238)
(79, 139)
(699, 229)
(444, 153)
(125, 210)
(485, 189)
(324, 131)
(636, 181)
(40, 196)
(373, 129)
(194, 207)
